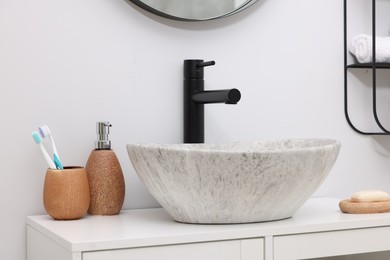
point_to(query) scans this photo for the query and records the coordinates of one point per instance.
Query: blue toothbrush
(38, 140)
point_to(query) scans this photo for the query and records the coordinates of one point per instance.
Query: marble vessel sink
(233, 183)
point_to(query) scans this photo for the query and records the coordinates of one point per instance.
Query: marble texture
(236, 182)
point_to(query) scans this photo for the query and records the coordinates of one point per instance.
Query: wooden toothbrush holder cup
(66, 193)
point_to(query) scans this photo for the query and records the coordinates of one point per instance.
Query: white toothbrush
(38, 140)
(45, 132)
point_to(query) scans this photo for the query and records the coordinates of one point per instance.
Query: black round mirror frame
(155, 11)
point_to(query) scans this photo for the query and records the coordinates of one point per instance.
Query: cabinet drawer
(332, 243)
(222, 250)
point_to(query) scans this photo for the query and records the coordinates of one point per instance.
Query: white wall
(69, 64)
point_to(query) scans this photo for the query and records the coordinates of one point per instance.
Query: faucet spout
(227, 96)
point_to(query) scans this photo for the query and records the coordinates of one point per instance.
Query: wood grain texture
(348, 206)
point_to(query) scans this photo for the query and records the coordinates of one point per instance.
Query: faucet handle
(205, 63)
(193, 69)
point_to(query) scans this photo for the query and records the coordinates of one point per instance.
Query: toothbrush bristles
(44, 131)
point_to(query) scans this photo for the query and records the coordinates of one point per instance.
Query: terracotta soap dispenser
(106, 182)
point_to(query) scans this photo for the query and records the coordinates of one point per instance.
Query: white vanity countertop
(151, 227)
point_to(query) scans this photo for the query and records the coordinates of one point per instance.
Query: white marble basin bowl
(233, 183)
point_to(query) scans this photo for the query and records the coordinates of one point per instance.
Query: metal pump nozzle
(102, 131)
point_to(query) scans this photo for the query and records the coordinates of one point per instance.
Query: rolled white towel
(361, 47)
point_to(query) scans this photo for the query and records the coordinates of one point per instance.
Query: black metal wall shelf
(368, 66)
(372, 66)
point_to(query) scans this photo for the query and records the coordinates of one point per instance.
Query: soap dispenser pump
(106, 181)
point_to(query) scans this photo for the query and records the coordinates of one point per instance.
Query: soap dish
(351, 207)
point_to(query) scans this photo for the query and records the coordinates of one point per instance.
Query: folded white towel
(361, 47)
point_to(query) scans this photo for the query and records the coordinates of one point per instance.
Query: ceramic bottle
(105, 177)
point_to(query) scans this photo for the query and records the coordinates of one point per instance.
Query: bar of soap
(370, 196)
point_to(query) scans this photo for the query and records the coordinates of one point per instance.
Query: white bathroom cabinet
(317, 230)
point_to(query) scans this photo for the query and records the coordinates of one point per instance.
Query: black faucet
(195, 97)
